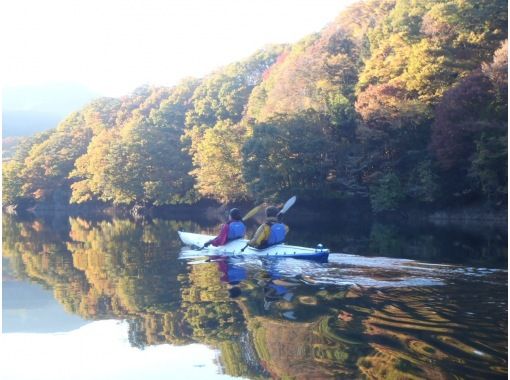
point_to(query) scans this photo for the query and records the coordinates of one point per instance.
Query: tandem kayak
(234, 247)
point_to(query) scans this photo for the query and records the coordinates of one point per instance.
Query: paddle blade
(253, 212)
(288, 205)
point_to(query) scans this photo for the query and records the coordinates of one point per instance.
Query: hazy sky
(112, 46)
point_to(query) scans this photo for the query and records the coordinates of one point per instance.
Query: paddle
(249, 214)
(288, 205)
(252, 212)
(284, 209)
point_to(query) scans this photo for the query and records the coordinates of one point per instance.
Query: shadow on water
(429, 308)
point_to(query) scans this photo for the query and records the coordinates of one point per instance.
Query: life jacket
(277, 234)
(236, 230)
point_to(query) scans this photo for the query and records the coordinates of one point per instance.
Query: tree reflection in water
(265, 322)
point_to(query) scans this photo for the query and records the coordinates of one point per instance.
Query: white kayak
(234, 247)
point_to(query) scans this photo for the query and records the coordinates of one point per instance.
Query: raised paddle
(249, 214)
(284, 209)
(288, 205)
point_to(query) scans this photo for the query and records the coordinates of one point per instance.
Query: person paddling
(232, 230)
(272, 232)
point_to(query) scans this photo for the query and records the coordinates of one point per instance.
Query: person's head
(272, 212)
(235, 214)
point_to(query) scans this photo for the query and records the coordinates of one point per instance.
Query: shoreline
(307, 211)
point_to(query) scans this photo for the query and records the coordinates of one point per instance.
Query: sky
(114, 46)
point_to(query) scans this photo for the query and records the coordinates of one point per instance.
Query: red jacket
(222, 238)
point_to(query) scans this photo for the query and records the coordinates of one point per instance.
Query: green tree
(223, 94)
(386, 193)
(290, 155)
(214, 135)
(218, 162)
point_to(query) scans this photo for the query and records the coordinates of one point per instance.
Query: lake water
(115, 299)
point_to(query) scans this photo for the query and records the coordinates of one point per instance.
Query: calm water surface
(115, 299)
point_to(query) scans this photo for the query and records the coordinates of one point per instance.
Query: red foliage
(278, 61)
(381, 105)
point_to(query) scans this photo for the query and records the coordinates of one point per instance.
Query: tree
(223, 94)
(141, 160)
(12, 180)
(430, 46)
(218, 162)
(469, 139)
(213, 136)
(393, 125)
(461, 115)
(140, 163)
(394, 132)
(386, 193)
(497, 72)
(46, 168)
(290, 154)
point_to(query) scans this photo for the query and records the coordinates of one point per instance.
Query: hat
(235, 214)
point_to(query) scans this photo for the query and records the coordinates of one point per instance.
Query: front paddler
(232, 230)
(271, 232)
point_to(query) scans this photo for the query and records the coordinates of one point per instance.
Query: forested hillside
(397, 102)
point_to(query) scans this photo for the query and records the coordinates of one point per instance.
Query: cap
(235, 214)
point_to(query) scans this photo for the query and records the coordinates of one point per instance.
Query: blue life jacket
(236, 230)
(277, 234)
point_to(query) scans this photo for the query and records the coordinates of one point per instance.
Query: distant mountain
(9, 145)
(26, 123)
(31, 109)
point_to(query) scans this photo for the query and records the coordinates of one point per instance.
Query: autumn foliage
(395, 102)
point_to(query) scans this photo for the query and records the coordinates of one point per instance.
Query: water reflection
(475, 245)
(27, 307)
(351, 317)
(98, 351)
